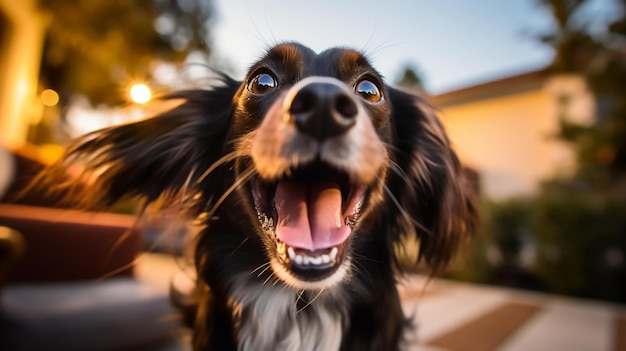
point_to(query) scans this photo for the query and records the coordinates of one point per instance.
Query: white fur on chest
(272, 321)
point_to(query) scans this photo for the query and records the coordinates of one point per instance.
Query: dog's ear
(426, 183)
(165, 155)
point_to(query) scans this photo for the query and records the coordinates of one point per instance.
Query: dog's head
(315, 149)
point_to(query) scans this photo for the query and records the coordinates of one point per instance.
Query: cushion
(64, 245)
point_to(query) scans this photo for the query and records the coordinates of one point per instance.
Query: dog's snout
(323, 110)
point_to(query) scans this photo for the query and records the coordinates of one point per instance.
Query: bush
(581, 242)
(562, 241)
(495, 255)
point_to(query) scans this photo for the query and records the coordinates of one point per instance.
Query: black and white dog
(308, 176)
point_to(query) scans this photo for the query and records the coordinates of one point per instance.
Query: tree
(601, 59)
(411, 79)
(578, 222)
(95, 47)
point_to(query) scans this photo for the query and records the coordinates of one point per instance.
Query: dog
(307, 177)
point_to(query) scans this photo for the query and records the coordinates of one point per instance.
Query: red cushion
(64, 245)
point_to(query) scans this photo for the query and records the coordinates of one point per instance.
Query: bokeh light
(140, 93)
(49, 97)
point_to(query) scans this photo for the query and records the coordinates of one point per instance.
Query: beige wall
(508, 140)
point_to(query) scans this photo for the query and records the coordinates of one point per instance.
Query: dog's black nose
(323, 110)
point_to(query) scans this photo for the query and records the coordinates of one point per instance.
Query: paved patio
(452, 316)
(463, 317)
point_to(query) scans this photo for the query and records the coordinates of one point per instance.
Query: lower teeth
(310, 260)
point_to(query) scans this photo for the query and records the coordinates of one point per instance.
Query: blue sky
(453, 43)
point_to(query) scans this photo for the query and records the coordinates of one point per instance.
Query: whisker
(403, 211)
(299, 297)
(366, 47)
(364, 258)
(258, 34)
(224, 159)
(358, 267)
(385, 45)
(186, 184)
(265, 267)
(399, 171)
(310, 302)
(259, 267)
(242, 179)
(268, 279)
(239, 246)
(263, 272)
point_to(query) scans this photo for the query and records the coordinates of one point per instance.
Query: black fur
(197, 156)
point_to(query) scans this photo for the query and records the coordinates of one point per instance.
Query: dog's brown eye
(368, 90)
(262, 83)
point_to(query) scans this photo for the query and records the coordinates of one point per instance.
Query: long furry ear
(162, 156)
(426, 183)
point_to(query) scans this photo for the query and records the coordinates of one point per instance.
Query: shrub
(581, 242)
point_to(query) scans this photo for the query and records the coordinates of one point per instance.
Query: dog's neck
(271, 318)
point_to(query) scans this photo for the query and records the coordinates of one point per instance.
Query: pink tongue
(309, 216)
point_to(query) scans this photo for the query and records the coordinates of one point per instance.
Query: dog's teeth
(311, 260)
(316, 260)
(292, 253)
(333, 253)
(298, 259)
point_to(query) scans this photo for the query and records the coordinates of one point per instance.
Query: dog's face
(318, 125)
(312, 155)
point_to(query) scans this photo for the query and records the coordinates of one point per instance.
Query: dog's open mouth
(310, 212)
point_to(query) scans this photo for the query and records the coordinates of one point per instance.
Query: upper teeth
(310, 260)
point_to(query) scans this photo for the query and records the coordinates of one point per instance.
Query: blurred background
(532, 93)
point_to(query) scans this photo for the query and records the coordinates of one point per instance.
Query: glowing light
(140, 93)
(49, 97)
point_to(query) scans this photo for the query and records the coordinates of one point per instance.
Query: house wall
(509, 140)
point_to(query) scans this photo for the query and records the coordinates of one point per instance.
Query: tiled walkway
(464, 317)
(453, 316)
